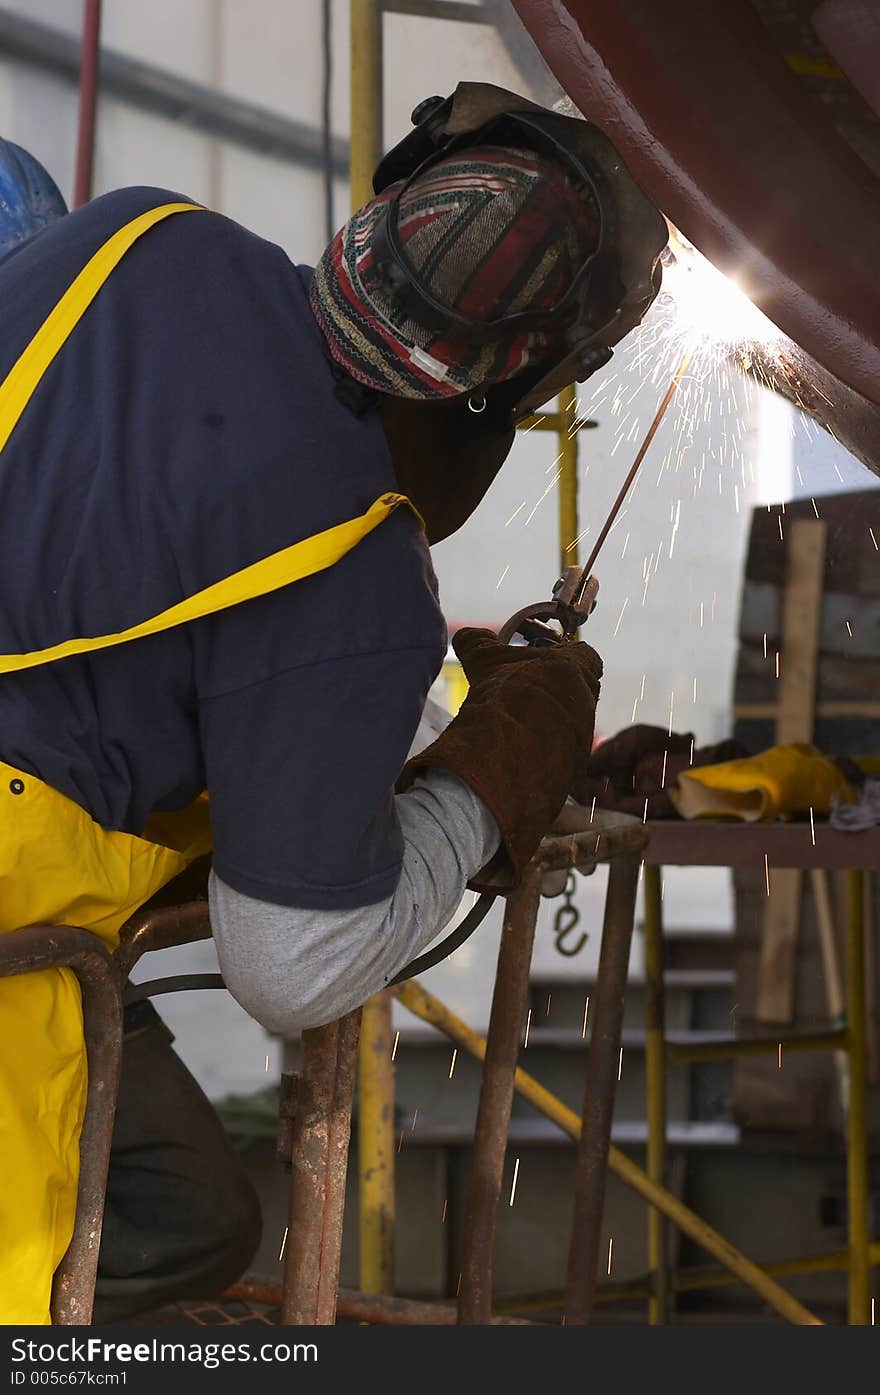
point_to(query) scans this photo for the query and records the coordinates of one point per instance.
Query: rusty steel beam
(57, 947)
(719, 132)
(603, 1068)
(850, 30)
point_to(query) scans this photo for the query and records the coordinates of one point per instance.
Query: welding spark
(528, 1025)
(610, 1247)
(266, 1067)
(620, 1064)
(586, 1013)
(415, 1117)
(812, 827)
(620, 616)
(547, 1008)
(767, 873)
(873, 539)
(849, 629)
(283, 1243)
(515, 1175)
(502, 576)
(394, 1047)
(779, 1057)
(452, 1062)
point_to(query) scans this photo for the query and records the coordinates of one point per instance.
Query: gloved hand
(521, 739)
(642, 763)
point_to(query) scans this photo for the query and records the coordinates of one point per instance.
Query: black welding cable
(326, 115)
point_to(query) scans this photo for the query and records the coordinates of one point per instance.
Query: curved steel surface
(710, 120)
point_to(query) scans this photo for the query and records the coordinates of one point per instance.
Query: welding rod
(642, 451)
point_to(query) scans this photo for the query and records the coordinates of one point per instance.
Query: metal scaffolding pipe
(655, 1092)
(603, 1069)
(88, 100)
(496, 1098)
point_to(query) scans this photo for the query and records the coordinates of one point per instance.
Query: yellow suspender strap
(23, 378)
(293, 563)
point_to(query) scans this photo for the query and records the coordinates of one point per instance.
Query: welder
(221, 474)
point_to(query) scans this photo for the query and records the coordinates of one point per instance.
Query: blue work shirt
(188, 428)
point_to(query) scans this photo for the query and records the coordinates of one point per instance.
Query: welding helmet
(29, 196)
(608, 294)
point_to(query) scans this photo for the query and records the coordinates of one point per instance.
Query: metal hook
(566, 919)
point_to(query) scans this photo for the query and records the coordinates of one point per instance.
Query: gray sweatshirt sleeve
(292, 968)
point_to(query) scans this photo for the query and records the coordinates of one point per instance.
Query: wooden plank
(801, 619)
(839, 678)
(840, 707)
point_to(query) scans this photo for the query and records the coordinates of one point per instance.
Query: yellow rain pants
(57, 866)
(778, 783)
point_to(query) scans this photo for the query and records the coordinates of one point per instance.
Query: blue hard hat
(29, 196)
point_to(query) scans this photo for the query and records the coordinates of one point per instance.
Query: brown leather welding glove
(521, 737)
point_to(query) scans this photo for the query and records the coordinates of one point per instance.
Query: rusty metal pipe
(601, 1083)
(64, 946)
(496, 1098)
(160, 929)
(377, 1308)
(88, 101)
(337, 1166)
(309, 1175)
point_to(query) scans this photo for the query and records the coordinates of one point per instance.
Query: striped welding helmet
(492, 233)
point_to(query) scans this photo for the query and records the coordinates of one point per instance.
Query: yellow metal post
(857, 1113)
(568, 480)
(375, 1068)
(655, 1092)
(366, 97)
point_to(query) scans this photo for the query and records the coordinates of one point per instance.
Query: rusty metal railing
(28, 951)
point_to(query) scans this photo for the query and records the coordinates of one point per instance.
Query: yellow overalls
(57, 866)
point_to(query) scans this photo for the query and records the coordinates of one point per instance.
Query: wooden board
(802, 614)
